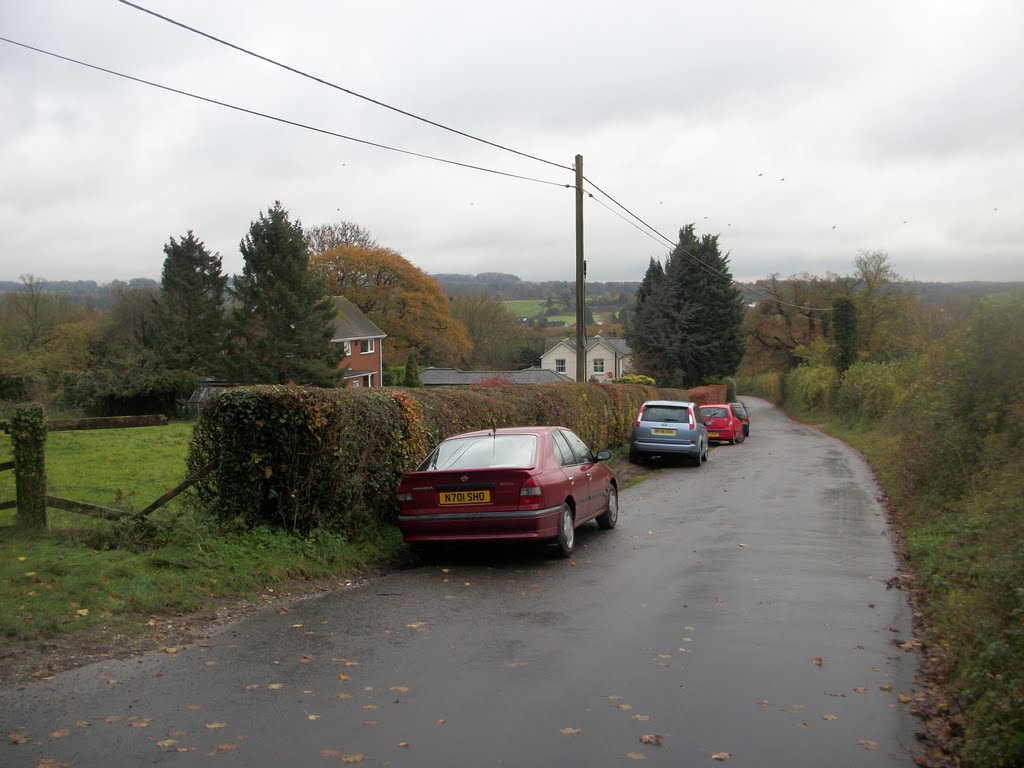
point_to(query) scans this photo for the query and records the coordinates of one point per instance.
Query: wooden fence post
(28, 435)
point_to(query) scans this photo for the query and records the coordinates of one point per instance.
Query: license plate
(712, 434)
(662, 431)
(465, 497)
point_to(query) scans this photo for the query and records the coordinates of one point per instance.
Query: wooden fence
(82, 507)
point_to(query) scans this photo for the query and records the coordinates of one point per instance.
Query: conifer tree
(687, 326)
(283, 319)
(190, 324)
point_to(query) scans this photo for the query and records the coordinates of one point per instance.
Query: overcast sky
(800, 132)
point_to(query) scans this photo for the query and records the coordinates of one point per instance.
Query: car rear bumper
(458, 525)
(677, 449)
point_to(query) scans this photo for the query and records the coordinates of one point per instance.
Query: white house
(606, 358)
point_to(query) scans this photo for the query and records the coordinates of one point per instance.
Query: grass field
(532, 308)
(88, 573)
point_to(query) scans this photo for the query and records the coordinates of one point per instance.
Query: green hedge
(302, 457)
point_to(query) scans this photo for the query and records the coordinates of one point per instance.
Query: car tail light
(404, 494)
(640, 415)
(693, 425)
(530, 487)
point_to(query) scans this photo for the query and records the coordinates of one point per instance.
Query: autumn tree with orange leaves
(403, 300)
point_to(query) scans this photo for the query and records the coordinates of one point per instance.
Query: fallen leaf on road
(625, 707)
(141, 723)
(613, 697)
(343, 696)
(112, 718)
(399, 688)
(860, 690)
(305, 659)
(49, 762)
(349, 759)
(19, 737)
(642, 718)
(195, 707)
(764, 703)
(440, 722)
(829, 716)
(904, 699)
(404, 744)
(720, 755)
(886, 687)
(651, 738)
(275, 686)
(867, 743)
(59, 734)
(215, 726)
(343, 676)
(82, 723)
(297, 626)
(571, 731)
(743, 545)
(223, 748)
(818, 661)
(167, 743)
(330, 753)
(636, 756)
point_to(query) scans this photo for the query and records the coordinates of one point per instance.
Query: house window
(598, 365)
(560, 365)
(367, 346)
(356, 383)
(347, 347)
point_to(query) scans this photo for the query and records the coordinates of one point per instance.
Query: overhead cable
(283, 120)
(337, 87)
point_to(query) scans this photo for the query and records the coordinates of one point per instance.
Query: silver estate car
(669, 428)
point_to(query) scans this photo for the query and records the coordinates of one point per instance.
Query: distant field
(535, 308)
(525, 307)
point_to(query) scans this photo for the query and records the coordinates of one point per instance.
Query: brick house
(362, 343)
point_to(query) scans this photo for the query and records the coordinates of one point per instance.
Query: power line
(706, 267)
(337, 87)
(280, 119)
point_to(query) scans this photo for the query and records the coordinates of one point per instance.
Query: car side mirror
(604, 455)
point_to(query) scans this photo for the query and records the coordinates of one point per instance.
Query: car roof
(668, 402)
(715, 405)
(507, 431)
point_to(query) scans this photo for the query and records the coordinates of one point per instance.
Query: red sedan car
(722, 423)
(525, 483)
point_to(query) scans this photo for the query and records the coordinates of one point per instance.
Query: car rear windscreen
(664, 413)
(714, 413)
(483, 452)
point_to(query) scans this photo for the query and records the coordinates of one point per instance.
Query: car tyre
(608, 520)
(707, 448)
(566, 539)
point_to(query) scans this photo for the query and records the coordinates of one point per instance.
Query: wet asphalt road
(698, 621)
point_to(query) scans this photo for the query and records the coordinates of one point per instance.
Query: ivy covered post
(28, 435)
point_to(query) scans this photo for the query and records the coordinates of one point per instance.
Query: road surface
(738, 615)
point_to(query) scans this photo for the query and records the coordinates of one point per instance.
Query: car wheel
(566, 538)
(697, 460)
(608, 520)
(732, 440)
(707, 447)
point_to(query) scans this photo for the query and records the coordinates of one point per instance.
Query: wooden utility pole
(581, 277)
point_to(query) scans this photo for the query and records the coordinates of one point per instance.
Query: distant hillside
(85, 292)
(509, 287)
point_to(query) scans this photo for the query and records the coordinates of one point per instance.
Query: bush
(766, 385)
(128, 391)
(808, 388)
(873, 390)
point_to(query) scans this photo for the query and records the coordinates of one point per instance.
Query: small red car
(722, 422)
(524, 483)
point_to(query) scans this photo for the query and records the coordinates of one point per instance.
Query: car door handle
(572, 479)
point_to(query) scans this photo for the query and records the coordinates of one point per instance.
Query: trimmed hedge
(302, 457)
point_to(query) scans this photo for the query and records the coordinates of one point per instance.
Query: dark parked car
(741, 410)
(524, 483)
(669, 428)
(722, 423)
